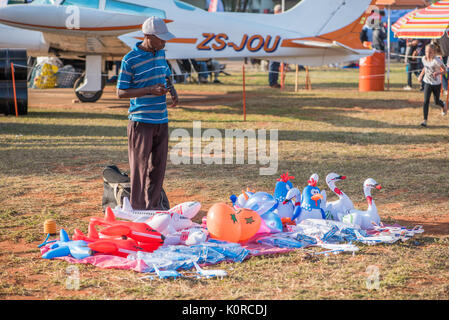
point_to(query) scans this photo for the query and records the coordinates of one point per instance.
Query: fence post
(296, 78)
(282, 75)
(14, 89)
(244, 93)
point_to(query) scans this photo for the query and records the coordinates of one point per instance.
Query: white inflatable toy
(365, 219)
(242, 198)
(294, 193)
(336, 209)
(164, 221)
(192, 236)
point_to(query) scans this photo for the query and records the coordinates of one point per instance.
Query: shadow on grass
(351, 138)
(75, 115)
(62, 130)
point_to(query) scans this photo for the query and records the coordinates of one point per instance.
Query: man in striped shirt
(145, 79)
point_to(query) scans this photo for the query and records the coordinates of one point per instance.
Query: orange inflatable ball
(222, 223)
(249, 223)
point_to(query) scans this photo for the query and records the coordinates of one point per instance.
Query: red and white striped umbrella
(428, 23)
(395, 26)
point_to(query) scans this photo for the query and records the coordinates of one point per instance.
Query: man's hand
(157, 90)
(174, 98)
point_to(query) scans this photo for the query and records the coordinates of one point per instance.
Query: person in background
(145, 79)
(215, 68)
(443, 44)
(379, 34)
(273, 67)
(430, 75)
(413, 56)
(402, 45)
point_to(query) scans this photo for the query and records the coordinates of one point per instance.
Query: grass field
(51, 165)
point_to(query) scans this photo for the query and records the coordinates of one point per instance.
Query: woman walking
(431, 75)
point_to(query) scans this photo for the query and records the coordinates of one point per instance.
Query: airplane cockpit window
(52, 2)
(94, 4)
(124, 7)
(184, 6)
(80, 3)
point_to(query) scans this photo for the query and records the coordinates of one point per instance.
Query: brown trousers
(147, 154)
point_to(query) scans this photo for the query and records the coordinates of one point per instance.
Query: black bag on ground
(117, 185)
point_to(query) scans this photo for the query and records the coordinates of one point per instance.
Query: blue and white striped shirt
(142, 69)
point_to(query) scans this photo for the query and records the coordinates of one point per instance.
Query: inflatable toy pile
(255, 223)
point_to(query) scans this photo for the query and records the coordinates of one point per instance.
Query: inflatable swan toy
(336, 209)
(365, 219)
(294, 193)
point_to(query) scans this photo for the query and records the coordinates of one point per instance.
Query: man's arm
(173, 93)
(156, 90)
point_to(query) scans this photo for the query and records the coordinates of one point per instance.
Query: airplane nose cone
(12, 12)
(20, 15)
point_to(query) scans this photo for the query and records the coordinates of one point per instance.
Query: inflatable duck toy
(336, 209)
(311, 201)
(283, 186)
(365, 219)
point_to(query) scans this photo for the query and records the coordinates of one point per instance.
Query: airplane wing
(106, 45)
(323, 44)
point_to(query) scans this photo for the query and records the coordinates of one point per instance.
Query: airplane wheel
(88, 96)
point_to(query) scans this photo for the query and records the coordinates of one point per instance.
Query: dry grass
(51, 163)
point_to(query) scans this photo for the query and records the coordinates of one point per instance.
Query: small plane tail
(325, 21)
(197, 267)
(156, 269)
(318, 240)
(127, 205)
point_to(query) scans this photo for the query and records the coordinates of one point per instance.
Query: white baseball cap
(156, 26)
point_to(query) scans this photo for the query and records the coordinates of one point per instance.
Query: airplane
(164, 221)
(345, 247)
(118, 246)
(312, 33)
(371, 240)
(209, 273)
(398, 231)
(164, 274)
(186, 209)
(137, 231)
(64, 246)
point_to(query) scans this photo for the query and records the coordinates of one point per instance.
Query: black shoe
(217, 81)
(424, 124)
(277, 86)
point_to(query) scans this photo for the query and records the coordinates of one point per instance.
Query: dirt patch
(432, 225)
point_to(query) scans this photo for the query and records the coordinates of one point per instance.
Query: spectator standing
(413, 55)
(273, 67)
(145, 79)
(379, 34)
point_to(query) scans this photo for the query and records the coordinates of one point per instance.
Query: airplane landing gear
(88, 96)
(89, 87)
